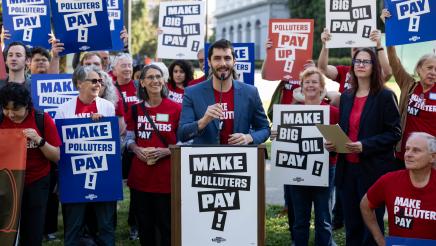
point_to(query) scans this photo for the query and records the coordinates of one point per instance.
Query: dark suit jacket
(379, 130)
(249, 114)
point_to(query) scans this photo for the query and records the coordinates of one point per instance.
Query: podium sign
(215, 190)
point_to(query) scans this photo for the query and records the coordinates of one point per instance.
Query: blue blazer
(379, 130)
(249, 115)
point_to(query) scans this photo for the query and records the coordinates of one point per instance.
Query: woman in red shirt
(151, 127)
(313, 87)
(18, 112)
(369, 116)
(181, 73)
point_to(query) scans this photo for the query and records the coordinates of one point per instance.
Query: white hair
(119, 57)
(110, 92)
(430, 139)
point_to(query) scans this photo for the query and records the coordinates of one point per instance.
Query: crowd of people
(391, 159)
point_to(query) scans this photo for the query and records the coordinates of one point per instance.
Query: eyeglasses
(95, 81)
(151, 78)
(358, 62)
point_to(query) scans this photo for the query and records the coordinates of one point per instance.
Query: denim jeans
(321, 197)
(74, 214)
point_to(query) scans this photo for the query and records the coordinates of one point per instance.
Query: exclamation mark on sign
(82, 35)
(219, 220)
(414, 23)
(112, 24)
(289, 64)
(27, 35)
(317, 168)
(366, 31)
(195, 45)
(90, 181)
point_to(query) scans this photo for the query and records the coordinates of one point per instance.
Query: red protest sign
(292, 46)
(13, 152)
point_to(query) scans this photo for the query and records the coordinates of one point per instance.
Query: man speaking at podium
(222, 110)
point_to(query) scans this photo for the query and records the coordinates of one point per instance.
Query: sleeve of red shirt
(119, 109)
(130, 123)
(334, 115)
(376, 194)
(51, 134)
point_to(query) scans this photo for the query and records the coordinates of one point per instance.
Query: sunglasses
(95, 81)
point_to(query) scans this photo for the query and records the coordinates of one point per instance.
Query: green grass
(277, 230)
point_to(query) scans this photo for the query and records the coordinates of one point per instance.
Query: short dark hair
(221, 44)
(142, 92)
(17, 94)
(17, 43)
(40, 50)
(186, 67)
(376, 82)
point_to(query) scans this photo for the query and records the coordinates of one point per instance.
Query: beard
(227, 73)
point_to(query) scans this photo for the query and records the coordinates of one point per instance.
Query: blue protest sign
(90, 164)
(81, 25)
(244, 65)
(49, 91)
(116, 22)
(411, 21)
(392, 241)
(27, 22)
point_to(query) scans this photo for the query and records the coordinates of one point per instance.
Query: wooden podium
(217, 195)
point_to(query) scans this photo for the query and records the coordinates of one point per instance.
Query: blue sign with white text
(244, 65)
(90, 164)
(397, 241)
(49, 91)
(116, 22)
(27, 22)
(82, 25)
(411, 21)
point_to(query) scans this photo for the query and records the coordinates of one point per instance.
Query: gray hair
(164, 70)
(81, 72)
(110, 92)
(119, 57)
(423, 59)
(430, 139)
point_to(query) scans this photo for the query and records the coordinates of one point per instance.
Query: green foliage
(144, 33)
(346, 60)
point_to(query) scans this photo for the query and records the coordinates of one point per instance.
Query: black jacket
(379, 130)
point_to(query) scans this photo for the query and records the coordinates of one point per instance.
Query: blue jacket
(249, 115)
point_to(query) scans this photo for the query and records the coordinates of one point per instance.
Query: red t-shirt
(334, 119)
(85, 110)
(288, 90)
(196, 81)
(154, 178)
(229, 114)
(421, 115)
(411, 210)
(37, 166)
(343, 78)
(119, 108)
(129, 93)
(353, 132)
(175, 94)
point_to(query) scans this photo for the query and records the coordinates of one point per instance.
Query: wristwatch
(41, 143)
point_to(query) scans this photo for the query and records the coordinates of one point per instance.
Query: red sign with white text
(292, 46)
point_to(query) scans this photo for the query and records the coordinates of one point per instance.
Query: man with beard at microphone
(221, 110)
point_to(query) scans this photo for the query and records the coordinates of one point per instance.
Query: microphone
(220, 121)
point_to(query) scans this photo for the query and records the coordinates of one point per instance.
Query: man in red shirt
(200, 57)
(123, 70)
(408, 194)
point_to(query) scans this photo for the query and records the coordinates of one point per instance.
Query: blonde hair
(423, 59)
(310, 71)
